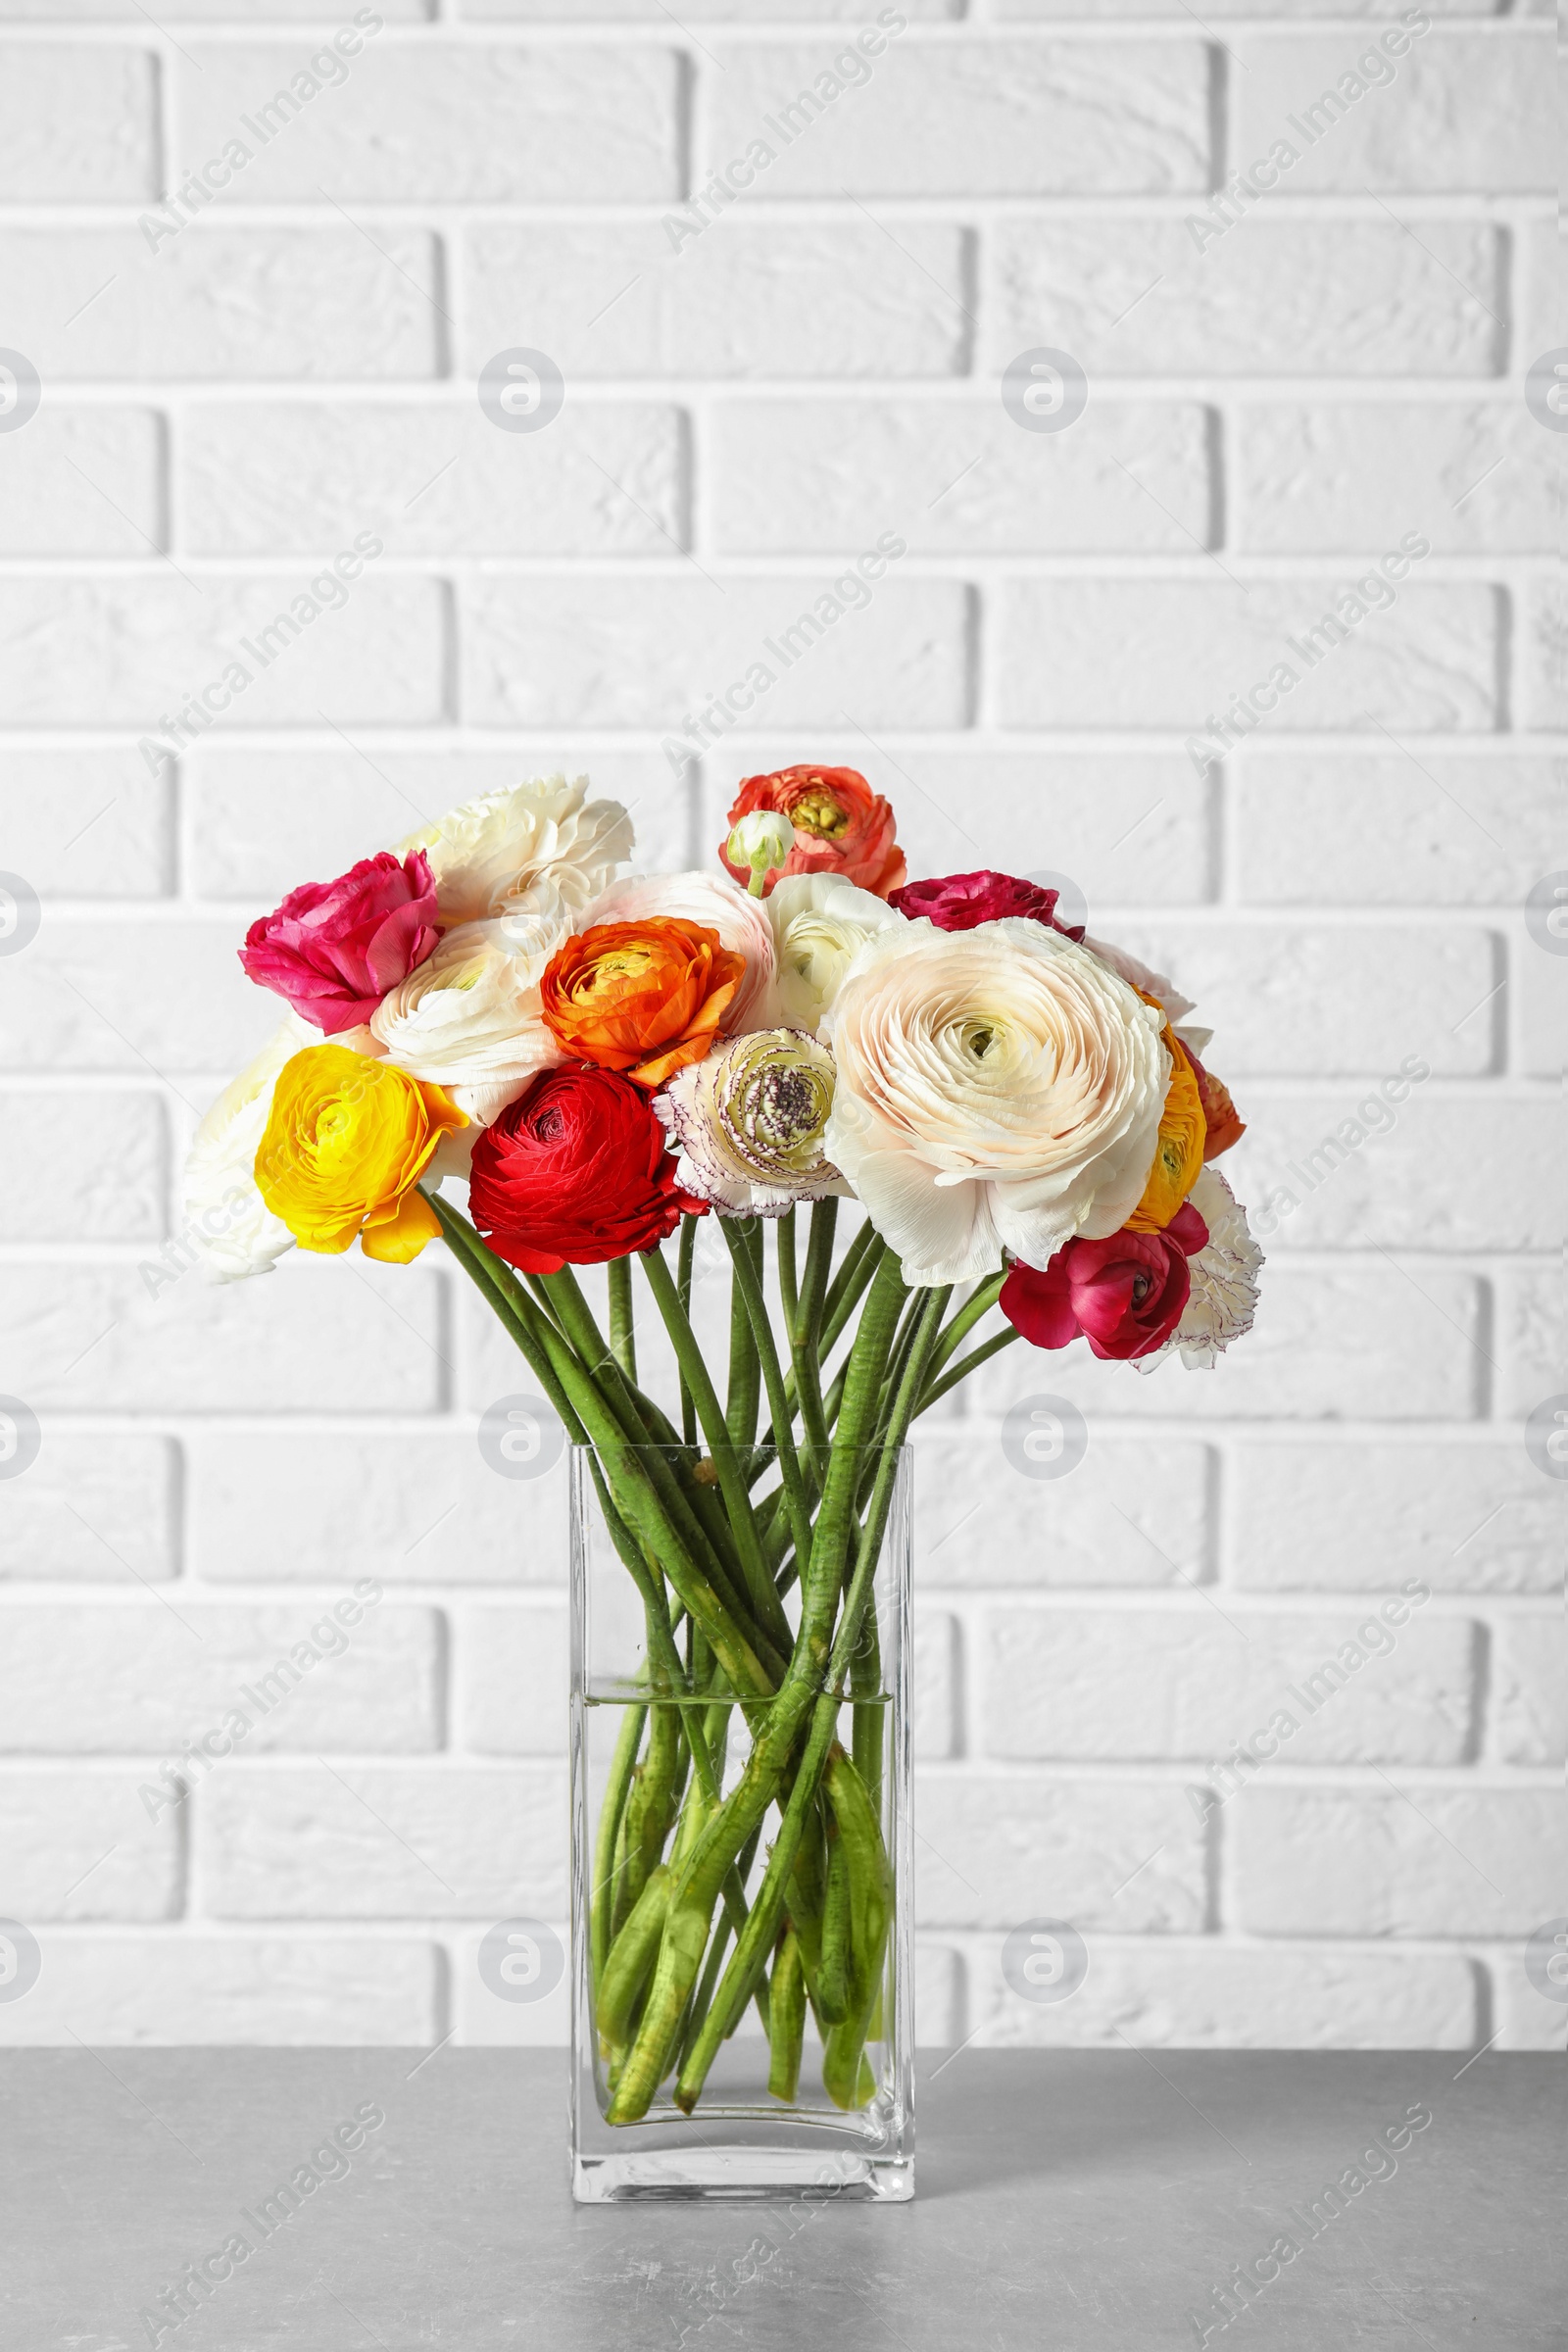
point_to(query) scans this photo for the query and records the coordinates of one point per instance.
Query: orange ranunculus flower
(1179, 1152)
(841, 827)
(1220, 1116)
(643, 997)
(347, 1141)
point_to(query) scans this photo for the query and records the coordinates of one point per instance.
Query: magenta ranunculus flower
(1125, 1294)
(333, 949)
(959, 901)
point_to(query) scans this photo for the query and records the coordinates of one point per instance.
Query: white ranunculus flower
(1223, 1298)
(998, 1088)
(720, 905)
(748, 1123)
(819, 921)
(1153, 984)
(540, 850)
(467, 1019)
(228, 1224)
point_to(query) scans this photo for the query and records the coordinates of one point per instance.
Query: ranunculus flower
(818, 922)
(333, 949)
(346, 1143)
(749, 1121)
(644, 998)
(1223, 1298)
(841, 827)
(712, 901)
(1164, 993)
(528, 850)
(1179, 1152)
(996, 1089)
(467, 1019)
(958, 901)
(1125, 1294)
(574, 1172)
(235, 1232)
(1222, 1123)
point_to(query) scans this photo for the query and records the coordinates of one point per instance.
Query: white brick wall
(1270, 409)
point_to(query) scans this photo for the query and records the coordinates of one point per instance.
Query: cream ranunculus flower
(534, 855)
(998, 1088)
(230, 1227)
(819, 921)
(721, 905)
(1165, 993)
(467, 1019)
(748, 1123)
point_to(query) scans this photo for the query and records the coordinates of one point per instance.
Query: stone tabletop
(1068, 2202)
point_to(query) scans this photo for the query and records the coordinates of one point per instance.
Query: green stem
(964, 1366)
(789, 1294)
(796, 1500)
(745, 1373)
(622, 1336)
(685, 1257)
(603, 1896)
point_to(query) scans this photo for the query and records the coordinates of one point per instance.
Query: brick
(1540, 287)
(709, 12)
(1132, 1512)
(1451, 830)
(1193, 1681)
(1540, 1019)
(1377, 1193)
(1543, 655)
(1315, 1001)
(613, 653)
(1463, 1518)
(511, 1672)
(311, 1337)
(1338, 477)
(1211, 1997)
(1129, 827)
(373, 1842)
(87, 825)
(1365, 1862)
(302, 480)
(990, 118)
(137, 998)
(183, 1987)
(128, 1486)
(152, 1677)
(81, 1845)
(107, 95)
(130, 653)
(1529, 2021)
(1326, 1347)
(815, 299)
(269, 304)
(201, 12)
(1528, 1707)
(1414, 126)
(993, 1851)
(817, 476)
(440, 122)
(1376, 10)
(1424, 664)
(252, 810)
(84, 1167)
(1272, 297)
(483, 2019)
(302, 1505)
(1529, 1339)
(936, 1702)
(91, 485)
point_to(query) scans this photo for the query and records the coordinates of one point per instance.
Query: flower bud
(762, 840)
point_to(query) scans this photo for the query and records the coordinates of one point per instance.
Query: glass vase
(843, 1953)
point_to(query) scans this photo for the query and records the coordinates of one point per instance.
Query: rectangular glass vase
(741, 2139)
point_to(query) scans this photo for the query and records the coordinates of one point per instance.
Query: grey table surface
(1065, 2200)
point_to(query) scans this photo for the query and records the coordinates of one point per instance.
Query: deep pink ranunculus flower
(333, 949)
(1125, 1294)
(958, 901)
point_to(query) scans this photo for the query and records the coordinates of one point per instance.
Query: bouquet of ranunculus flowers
(606, 1060)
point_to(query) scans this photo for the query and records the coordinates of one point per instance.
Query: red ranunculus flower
(958, 901)
(841, 827)
(578, 1170)
(333, 949)
(1125, 1294)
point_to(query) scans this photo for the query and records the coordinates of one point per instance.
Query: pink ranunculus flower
(960, 902)
(334, 948)
(1124, 1293)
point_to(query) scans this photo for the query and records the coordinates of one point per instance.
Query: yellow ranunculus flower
(1179, 1152)
(345, 1147)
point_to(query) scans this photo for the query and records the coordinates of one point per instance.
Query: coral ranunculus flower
(841, 827)
(574, 1172)
(1179, 1153)
(643, 997)
(333, 949)
(345, 1145)
(1225, 1126)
